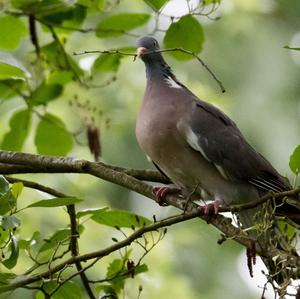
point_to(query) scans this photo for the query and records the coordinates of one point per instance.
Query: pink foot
(209, 209)
(161, 192)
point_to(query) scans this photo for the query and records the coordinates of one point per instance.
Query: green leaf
(43, 8)
(16, 189)
(288, 230)
(177, 37)
(4, 236)
(58, 236)
(70, 17)
(6, 92)
(118, 218)
(156, 4)
(207, 2)
(110, 62)
(140, 269)
(26, 244)
(94, 5)
(114, 268)
(69, 290)
(19, 128)
(46, 93)
(5, 278)
(11, 33)
(9, 222)
(295, 160)
(4, 185)
(292, 48)
(60, 77)
(115, 272)
(59, 61)
(107, 63)
(90, 212)
(118, 24)
(7, 200)
(22, 4)
(13, 258)
(107, 289)
(55, 202)
(8, 71)
(52, 137)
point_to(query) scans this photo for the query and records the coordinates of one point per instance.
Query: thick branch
(48, 164)
(112, 174)
(140, 174)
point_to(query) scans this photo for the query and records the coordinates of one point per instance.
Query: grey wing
(209, 131)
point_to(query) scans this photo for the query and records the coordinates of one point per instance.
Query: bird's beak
(141, 51)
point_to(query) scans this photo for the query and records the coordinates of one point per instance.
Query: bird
(198, 147)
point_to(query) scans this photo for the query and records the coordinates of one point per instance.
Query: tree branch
(115, 175)
(140, 174)
(47, 164)
(104, 252)
(73, 225)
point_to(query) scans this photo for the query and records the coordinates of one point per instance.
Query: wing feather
(212, 133)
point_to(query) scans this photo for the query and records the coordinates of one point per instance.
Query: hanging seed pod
(93, 136)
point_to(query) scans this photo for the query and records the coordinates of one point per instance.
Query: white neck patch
(172, 83)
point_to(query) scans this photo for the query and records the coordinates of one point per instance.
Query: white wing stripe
(192, 140)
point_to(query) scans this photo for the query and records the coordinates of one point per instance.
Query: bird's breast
(155, 128)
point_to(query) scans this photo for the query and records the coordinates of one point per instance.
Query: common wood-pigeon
(198, 147)
(194, 143)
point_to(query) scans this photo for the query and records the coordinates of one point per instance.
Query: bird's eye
(154, 44)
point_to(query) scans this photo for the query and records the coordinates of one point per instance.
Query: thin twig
(116, 246)
(64, 54)
(105, 52)
(33, 34)
(134, 55)
(102, 253)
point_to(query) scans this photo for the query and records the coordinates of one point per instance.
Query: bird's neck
(158, 69)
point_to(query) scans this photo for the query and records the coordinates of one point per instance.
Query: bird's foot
(161, 192)
(210, 209)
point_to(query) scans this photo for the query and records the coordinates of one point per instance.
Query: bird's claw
(210, 209)
(161, 192)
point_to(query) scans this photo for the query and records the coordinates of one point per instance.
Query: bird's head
(146, 47)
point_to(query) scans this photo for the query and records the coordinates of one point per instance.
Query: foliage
(295, 160)
(37, 70)
(185, 24)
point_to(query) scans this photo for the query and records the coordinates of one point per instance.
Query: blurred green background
(244, 48)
